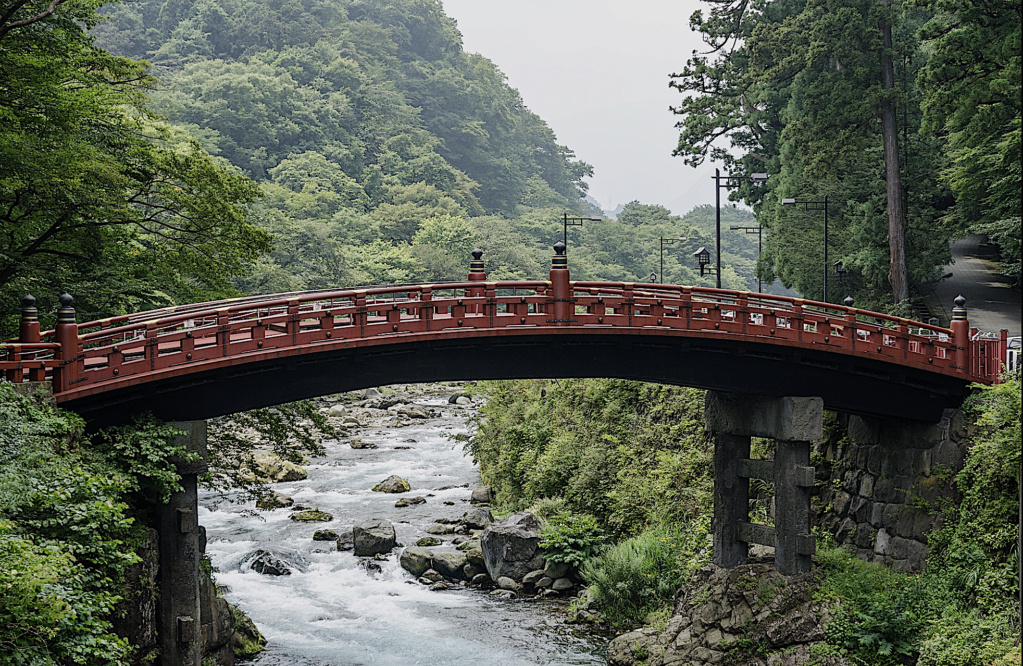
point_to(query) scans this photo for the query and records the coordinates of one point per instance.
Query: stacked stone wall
(883, 484)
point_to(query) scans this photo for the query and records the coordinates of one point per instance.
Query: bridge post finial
(28, 332)
(961, 335)
(561, 288)
(66, 333)
(477, 273)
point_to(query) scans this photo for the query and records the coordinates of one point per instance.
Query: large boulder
(393, 484)
(373, 536)
(416, 560)
(273, 500)
(511, 548)
(450, 564)
(274, 564)
(477, 518)
(480, 495)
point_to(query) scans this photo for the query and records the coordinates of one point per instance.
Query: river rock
(416, 560)
(393, 484)
(506, 583)
(440, 585)
(511, 548)
(362, 444)
(312, 516)
(409, 501)
(556, 570)
(545, 582)
(450, 564)
(480, 579)
(477, 518)
(346, 540)
(463, 400)
(440, 528)
(474, 556)
(271, 468)
(274, 500)
(431, 576)
(532, 577)
(373, 536)
(469, 572)
(246, 641)
(413, 411)
(371, 393)
(325, 535)
(562, 584)
(337, 411)
(429, 541)
(480, 495)
(269, 565)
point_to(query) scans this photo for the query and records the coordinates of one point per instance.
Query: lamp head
(758, 178)
(788, 202)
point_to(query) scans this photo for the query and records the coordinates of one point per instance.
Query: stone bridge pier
(182, 542)
(792, 422)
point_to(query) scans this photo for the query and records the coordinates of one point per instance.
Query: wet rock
(270, 468)
(449, 503)
(440, 585)
(556, 570)
(562, 584)
(373, 536)
(393, 484)
(468, 545)
(469, 572)
(474, 556)
(362, 444)
(506, 583)
(511, 548)
(274, 500)
(450, 564)
(247, 641)
(371, 566)
(346, 540)
(532, 577)
(477, 518)
(409, 501)
(439, 528)
(431, 575)
(416, 560)
(545, 582)
(480, 579)
(325, 535)
(312, 516)
(504, 594)
(268, 564)
(429, 541)
(480, 495)
(413, 411)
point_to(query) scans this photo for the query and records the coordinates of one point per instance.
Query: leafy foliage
(571, 538)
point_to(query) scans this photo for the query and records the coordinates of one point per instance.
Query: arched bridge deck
(200, 361)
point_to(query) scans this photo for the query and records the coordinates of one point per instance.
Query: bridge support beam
(181, 549)
(792, 422)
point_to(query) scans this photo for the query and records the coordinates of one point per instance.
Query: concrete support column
(178, 609)
(731, 499)
(793, 543)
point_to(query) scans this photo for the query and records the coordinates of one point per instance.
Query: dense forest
(904, 114)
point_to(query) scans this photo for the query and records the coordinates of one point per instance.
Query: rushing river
(334, 612)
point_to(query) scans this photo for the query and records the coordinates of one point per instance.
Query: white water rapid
(334, 612)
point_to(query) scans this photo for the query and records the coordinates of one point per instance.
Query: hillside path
(991, 301)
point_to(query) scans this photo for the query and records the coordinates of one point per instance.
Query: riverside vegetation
(621, 473)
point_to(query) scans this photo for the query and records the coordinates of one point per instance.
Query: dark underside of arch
(846, 383)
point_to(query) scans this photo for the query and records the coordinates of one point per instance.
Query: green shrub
(634, 578)
(571, 539)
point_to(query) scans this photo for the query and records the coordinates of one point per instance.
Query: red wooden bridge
(204, 360)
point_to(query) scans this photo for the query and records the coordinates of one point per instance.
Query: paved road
(990, 301)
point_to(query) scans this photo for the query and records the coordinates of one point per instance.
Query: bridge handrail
(98, 351)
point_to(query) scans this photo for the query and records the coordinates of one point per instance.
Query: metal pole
(760, 249)
(717, 198)
(564, 232)
(662, 259)
(825, 248)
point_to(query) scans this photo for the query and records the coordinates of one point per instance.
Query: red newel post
(961, 335)
(477, 273)
(67, 337)
(561, 287)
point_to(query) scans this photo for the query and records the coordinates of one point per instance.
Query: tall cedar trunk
(898, 274)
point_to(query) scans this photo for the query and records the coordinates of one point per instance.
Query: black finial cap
(28, 301)
(559, 248)
(476, 254)
(66, 300)
(959, 301)
(848, 301)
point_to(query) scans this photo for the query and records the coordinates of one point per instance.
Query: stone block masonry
(885, 483)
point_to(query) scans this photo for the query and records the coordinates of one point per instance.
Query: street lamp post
(730, 181)
(816, 205)
(669, 241)
(760, 248)
(571, 221)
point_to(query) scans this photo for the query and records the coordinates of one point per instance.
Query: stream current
(332, 611)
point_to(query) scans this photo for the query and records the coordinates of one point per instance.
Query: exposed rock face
(511, 549)
(217, 623)
(393, 484)
(724, 611)
(247, 641)
(137, 623)
(373, 536)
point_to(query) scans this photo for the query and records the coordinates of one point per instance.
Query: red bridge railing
(91, 357)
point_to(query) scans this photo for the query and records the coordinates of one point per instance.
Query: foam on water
(333, 612)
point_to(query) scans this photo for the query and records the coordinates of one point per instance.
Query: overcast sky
(597, 72)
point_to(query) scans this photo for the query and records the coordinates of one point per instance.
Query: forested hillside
(905, 115)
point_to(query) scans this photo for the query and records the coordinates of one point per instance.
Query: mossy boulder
(324, 535)
(312, 516)
(393, 484)
(247, 641)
